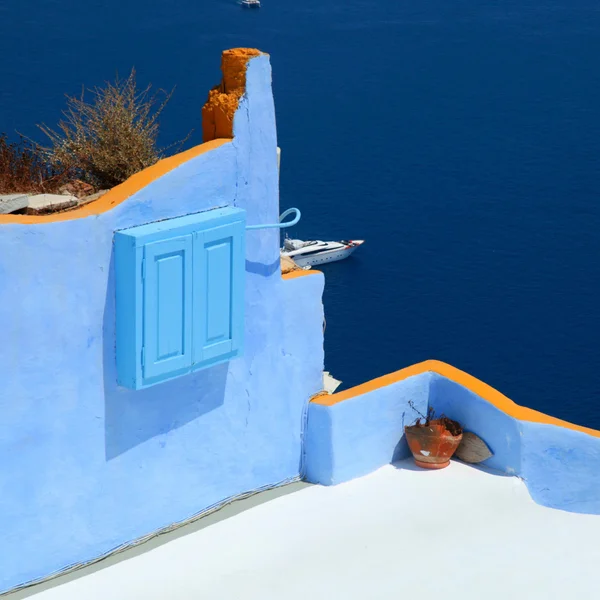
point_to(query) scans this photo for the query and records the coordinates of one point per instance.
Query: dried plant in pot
(433, 440)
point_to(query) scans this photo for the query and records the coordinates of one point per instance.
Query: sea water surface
(461, 139)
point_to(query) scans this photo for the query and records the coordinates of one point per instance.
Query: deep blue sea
(460, 138)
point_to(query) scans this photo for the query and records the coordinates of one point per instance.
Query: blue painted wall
(560, 466)
(500, 432)
(88, 466)
(361, 434)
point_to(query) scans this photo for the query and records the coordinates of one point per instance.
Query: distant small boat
(318, 252)
(251, 3)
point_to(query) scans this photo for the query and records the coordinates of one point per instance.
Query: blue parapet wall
(361, 434)
(88, 466)
(561, 467)
(500, 431)
(357, 431)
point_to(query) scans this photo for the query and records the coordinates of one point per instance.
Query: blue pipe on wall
(280, 225)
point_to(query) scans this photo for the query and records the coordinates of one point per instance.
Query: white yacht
(318, 252)
(250, 3)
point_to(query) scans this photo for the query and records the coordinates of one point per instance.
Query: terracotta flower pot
(432, 445)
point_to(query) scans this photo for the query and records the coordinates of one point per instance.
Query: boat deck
(400, 532)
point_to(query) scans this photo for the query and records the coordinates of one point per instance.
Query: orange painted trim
(483, 390)
(223, 100)
(299, 273)
(121, 192)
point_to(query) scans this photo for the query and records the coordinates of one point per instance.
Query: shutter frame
(132, 273)
(131, 269)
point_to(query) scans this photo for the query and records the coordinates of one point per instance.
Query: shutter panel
(167, 325)
(219, 271)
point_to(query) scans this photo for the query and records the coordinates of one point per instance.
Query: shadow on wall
(261, 269)
(134, 417)
(401, 451)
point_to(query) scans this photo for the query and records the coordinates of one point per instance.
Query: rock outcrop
(288, 265)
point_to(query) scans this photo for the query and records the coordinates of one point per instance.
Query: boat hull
(321, 258)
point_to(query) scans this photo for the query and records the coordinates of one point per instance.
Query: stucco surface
(560, 466)
(364, 431)
(500, 432)
(361, 434)
(460, 533)
(88, 466)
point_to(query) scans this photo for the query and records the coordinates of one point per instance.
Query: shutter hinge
(143, 268)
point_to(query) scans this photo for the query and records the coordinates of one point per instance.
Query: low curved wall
(353, 437)
(121, 192)
(360, 429)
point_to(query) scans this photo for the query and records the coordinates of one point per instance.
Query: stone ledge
(9, 203)
(44, 203)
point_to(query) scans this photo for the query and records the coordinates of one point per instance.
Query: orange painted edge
(121, 192)
(300, 273)
(483, 390)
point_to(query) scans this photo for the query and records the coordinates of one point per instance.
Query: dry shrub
(110, 138)
(24, 167)
(430, 418)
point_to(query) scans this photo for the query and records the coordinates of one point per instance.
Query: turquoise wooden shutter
(179, 295)
(167, 325)
(219, 270)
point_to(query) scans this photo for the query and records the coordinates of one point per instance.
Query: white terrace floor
(397, 533)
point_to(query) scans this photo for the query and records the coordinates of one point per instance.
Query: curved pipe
(280, 225)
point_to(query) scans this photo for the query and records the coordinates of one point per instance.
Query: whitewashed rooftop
(398, 533)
